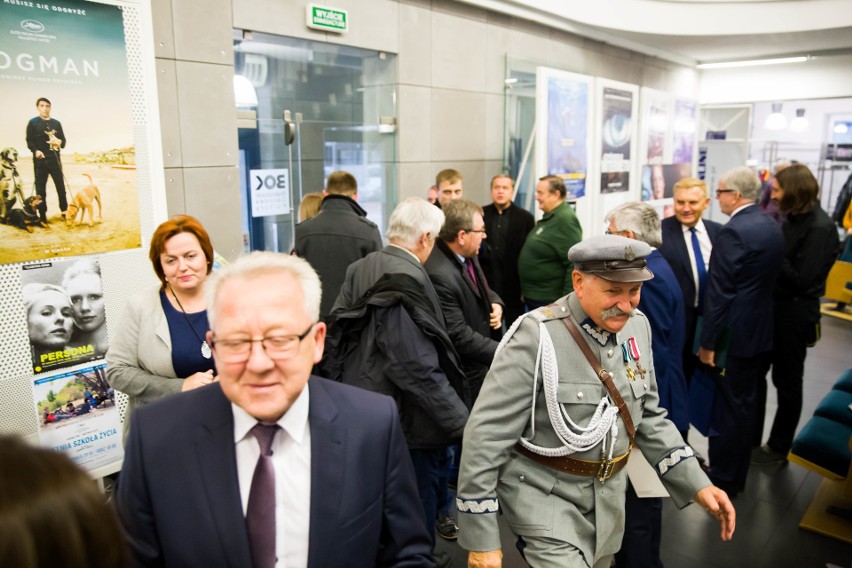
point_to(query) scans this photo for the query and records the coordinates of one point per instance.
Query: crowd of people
(479, 352)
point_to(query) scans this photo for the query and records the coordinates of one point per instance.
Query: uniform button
(609, 353)
(521, 478)
(579, 395)
(645, 385)
(563, 309)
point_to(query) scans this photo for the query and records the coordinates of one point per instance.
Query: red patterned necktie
(260, 513)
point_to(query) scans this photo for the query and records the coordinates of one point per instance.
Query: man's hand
(496, 316)
(493, 559)
(197, 380)
(707, 356)
(716, 502)
(39, 154)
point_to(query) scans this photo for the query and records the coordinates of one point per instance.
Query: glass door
(342, 116)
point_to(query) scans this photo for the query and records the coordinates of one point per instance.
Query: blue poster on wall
(567, 112)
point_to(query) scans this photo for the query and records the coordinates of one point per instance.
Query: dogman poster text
(72, 54)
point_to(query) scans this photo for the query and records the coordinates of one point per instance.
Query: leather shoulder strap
(604, 376)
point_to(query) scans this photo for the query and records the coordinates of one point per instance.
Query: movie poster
(66, 132)
(567, 131)
(683, 139)
(617, 113)
(66, 319)
(658, 180)
(77, 415)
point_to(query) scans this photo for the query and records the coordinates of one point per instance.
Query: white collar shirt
(291, 460)
(706, 249)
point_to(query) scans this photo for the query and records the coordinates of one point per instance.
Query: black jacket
(467, 311)
(810, 249)
(389, 341)
(333, 239)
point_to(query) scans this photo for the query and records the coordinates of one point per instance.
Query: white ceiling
(698, 31)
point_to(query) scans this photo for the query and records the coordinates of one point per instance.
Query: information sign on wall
(270, 192)
(327, 19)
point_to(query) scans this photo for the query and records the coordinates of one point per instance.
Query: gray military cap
(612, 257)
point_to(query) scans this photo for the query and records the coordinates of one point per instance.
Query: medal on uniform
(635, 354)
(625, 355)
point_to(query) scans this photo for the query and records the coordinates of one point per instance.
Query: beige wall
(451, 60)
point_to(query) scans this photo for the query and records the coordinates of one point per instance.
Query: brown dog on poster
(83, 201)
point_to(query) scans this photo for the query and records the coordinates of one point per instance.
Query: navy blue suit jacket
(674, 251)
(178, 497)
(746, 260)
(661, 301)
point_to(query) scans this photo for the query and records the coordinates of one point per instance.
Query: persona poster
(77, 415)
(78, 154)
(567, 116)
(616, 139)
(65, 311)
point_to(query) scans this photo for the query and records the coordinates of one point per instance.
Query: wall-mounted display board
(617, 143)
(79, 133)
(669, 146)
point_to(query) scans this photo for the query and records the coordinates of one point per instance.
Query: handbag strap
(603, 375)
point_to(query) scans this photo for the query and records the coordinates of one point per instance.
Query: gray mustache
(614, 312)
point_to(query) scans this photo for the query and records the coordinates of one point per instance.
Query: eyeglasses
(277, 347)
(721, 191)
(475, 231)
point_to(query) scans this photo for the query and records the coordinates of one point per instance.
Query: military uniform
(542, 504)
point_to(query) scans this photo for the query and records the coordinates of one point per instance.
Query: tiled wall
(451, 59)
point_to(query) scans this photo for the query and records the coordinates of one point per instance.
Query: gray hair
(744, 181)
(82, 266)
(458, 217)
(640, 218)
(265, 262)
(411, 219)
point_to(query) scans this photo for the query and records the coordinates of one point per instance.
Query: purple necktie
(468, 264)
(260, 513)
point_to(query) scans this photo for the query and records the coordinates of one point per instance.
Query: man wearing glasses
(747, 257)
(258, 470)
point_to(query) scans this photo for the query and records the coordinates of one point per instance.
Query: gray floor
(768, 511)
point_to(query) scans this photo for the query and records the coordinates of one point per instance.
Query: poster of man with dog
(68, 181)
(77, 415)
(66, 316)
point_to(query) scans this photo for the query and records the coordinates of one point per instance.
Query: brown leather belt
(603, 469)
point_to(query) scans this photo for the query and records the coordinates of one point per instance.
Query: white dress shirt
(291, 460)
(706, 249)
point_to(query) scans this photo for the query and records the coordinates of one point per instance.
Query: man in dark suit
(471, 310)
(661, 301)
(470, 307)
(507, 226)
(257, 470)
(683, 235)
(746, 261)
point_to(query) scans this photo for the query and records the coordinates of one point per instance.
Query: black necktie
(260, 513)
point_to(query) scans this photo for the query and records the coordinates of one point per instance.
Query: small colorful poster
(616, 134)
(658, 180)
(68, 182)
(77, 415)
(65, 312)
(567, 130)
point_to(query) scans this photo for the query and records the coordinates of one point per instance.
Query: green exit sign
(327, 19)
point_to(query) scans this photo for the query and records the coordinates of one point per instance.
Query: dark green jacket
(543, 265)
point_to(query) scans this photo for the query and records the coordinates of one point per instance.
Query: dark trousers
(44, 167)
(733, 418)
(640, 546)
(427, 464)
(795, 330)
(445, 470)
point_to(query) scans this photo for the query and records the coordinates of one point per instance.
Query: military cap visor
(612, 257)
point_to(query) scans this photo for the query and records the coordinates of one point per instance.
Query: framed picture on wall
(617, 121)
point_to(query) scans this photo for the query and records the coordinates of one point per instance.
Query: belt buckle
(605, 470)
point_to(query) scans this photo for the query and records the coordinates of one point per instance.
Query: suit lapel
(327, 459)
(680, 245)
(216, 455)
